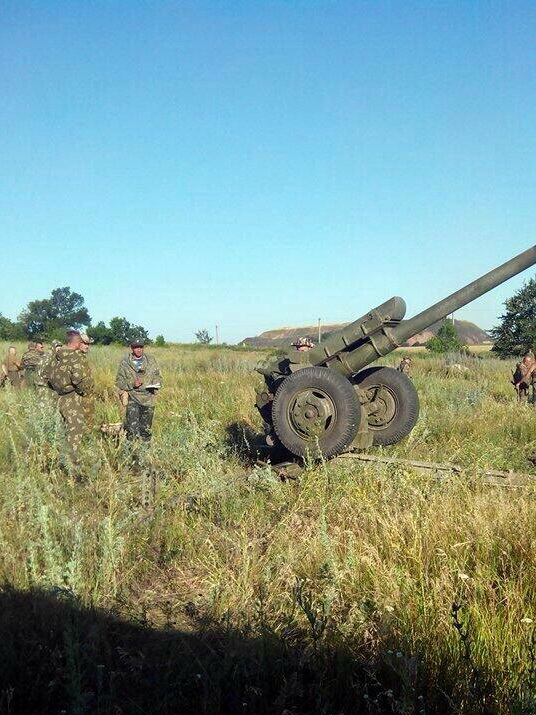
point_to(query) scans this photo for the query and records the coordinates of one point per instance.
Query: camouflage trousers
(71, 410)
(138, 421)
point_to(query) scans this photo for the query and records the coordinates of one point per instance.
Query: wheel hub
(311, 412)
(381, 406)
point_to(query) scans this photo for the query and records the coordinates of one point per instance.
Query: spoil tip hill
(468, 334)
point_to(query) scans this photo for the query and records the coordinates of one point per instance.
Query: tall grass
(237, 592)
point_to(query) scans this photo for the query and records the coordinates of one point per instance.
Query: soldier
(88, 405)
(69, 375)
(12, 368)
(139, 376)
(405, 365)
(523, 377)
(302, 345)
(30, 361)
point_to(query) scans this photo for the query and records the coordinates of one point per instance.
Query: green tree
(160, 341)
(446, 339)
(516, 331)
(203, 337)
(124, 332)
(101, 334)
(120, 330)
(11, 331)
(63, 310)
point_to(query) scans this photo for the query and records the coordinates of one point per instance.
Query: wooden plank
(493, 476)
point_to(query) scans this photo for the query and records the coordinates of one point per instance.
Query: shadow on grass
(60, 657)
(251, 446)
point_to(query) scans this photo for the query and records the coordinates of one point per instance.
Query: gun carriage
(332, 398)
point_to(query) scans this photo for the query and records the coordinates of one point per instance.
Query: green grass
(239, 593)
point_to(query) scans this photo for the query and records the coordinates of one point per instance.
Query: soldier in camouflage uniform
(88, 405)
(139, 376)
(523, 378)
(404, 365)
(41, 379)
(30, 361)
(69, 375)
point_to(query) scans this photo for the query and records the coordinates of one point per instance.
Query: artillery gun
(328, 400)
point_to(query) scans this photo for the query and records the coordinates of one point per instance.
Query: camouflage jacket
(149, 374)
(30, 359)
(45, 360)
(68, 371)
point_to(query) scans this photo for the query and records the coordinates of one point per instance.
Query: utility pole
(319, 331)
(217, 335)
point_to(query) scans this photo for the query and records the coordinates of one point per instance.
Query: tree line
(50, 318)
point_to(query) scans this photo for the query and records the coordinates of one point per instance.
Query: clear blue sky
(259, 164)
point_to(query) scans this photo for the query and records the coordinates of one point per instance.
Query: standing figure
(405, 365)
(523, 377)
(13, 368)
(70, 377)
(139, 376)
(88, 405)
(30, 360)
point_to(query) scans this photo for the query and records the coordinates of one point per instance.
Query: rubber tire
(408, 402)
(341, 435)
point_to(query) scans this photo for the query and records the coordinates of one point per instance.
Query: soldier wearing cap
(86, 341)
(69, 375)
(303, 344)
(139, 376)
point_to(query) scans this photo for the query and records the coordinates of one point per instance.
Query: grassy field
(231, 591)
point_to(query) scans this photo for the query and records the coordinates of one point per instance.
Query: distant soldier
(70, 377)
(405, 365)
(30, 360)
(139, 376)
(303, 344)
(523, 377)
(88, 404)
(12, 368)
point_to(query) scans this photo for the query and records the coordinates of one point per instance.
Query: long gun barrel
(382, 330)
(407, 328)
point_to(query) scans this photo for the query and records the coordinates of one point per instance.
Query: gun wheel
(392, 403)
(316, 410)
